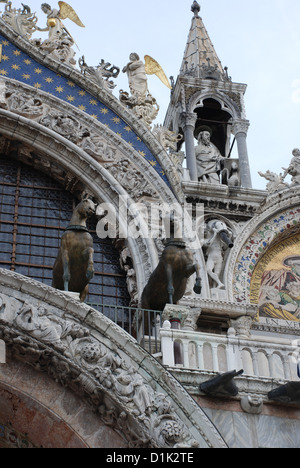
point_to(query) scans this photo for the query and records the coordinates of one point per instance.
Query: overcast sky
(258, 40)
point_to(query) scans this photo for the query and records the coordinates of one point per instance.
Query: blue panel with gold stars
(17, 65)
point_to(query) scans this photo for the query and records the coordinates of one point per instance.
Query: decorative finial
(196, 9)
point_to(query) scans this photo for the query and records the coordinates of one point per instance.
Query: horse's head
(86, 208)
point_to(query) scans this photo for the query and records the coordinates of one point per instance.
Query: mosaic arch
(276, 232)
(17, 65)
(275, 283)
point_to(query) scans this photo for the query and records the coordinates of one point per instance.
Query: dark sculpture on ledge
(74, 266)
(222, 384)
(168, 282)
(289, 393)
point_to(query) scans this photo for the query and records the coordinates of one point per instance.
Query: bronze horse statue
(74, 266)
(168, 282)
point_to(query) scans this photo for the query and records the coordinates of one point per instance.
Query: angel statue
(137, 72)
(142, 103)
(55, 26)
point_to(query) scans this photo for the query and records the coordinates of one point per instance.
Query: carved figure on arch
(101, 73)
(219, 238)
(22, 21)
(275, 181)
(294, 168)
(74, 266)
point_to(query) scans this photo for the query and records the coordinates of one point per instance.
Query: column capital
(189, 119)
(240, 126)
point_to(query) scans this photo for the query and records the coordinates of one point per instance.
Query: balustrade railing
(259, 355)
(142, 324)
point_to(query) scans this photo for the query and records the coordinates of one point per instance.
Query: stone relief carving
(23, 21)
(60, 50)
(167, 139)
(145, 109)
(65, 125)
(56, 343)
(99, 149)
(276, 181)
(101, 74)
(130, 178)
(25, 104)
(45, 326)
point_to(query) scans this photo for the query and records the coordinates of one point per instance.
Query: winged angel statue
(55, 26)
(141, 101)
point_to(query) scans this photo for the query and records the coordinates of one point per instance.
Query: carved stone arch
(61, 153)
(64, 75)
(29, 419)
(278, 220)
(87, 353)
(225, 102)
(93, 137)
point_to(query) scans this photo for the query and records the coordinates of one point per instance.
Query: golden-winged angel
(55, 26)
(137, 72)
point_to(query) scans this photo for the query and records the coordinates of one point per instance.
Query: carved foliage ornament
(55, 343)
(30, 106)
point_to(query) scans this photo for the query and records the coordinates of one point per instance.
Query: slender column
(176, 315)
(189, 122)
(240, 130)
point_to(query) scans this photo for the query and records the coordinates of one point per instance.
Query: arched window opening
(211, 115)
(34, 212)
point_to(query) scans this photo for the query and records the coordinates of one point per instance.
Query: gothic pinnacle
(196, 9)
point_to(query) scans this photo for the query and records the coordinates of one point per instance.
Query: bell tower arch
(205, 96)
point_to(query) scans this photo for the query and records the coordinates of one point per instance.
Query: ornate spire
(196, 9)
(200, 58)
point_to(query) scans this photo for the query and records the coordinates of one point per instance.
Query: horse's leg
(90, 269)
(169, 272)
(84, 293)
(198, 284)
(66, 268)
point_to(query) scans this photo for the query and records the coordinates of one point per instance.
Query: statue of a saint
(294, 168)
(208, 158)
(137, 77)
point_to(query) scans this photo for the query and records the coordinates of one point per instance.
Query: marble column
(188, 123)
(240, 130)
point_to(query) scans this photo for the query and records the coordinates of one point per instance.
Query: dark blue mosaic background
(17, 65)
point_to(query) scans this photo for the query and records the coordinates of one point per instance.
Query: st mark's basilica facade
(131, 354)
